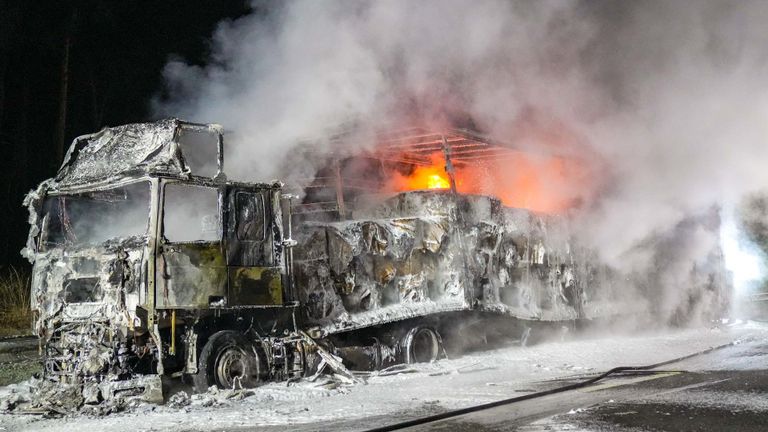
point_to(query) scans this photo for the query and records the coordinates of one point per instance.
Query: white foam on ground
(453, 383)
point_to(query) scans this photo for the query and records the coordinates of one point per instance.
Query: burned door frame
(255, 271)
(206, 283)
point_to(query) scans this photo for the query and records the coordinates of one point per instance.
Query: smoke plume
(665, 101)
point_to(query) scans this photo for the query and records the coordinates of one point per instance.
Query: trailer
(149, 262)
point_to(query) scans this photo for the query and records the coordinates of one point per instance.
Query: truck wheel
(228, 361)
(421, 344)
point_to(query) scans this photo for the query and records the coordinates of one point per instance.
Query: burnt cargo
(427, 252)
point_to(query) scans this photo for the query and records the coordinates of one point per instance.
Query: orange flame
(424, 177)
(435, 181)
(546, 184)
(429, 178)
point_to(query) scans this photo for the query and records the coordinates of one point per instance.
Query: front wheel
(228, 361)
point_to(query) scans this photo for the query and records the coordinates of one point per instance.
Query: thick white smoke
(669, 98)
(303, 69)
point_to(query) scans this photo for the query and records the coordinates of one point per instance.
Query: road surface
(725, 386)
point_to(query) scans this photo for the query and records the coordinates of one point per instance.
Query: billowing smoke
(666, 101)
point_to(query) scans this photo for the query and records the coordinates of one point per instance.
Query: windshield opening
(92, 218)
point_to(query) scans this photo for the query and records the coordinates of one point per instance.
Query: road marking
(691, 386)
(622, 382)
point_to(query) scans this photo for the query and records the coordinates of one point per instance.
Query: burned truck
(150, 262)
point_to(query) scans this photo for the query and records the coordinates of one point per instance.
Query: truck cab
(147, 262)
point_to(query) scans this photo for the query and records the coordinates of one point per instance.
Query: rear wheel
(421, 344)
(229, 361)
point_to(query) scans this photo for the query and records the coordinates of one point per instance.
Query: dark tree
(71, 67)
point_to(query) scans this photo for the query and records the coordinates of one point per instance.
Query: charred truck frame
(149, 262)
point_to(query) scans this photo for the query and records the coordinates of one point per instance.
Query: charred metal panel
(122, 150)
(248, 228)
(254, 246)
(141, 148)
(388, 266)
(105, 280)
(192, 275)
(255, 286)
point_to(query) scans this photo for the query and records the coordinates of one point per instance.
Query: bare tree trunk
(98, 98)
(61, 129)
(22, 150)
(95, 105)
(3, 63)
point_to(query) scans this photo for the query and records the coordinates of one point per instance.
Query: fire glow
(425, 177)
(540, 183)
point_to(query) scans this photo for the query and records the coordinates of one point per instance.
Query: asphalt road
(723, 391)
(726, 390)
(675, 401)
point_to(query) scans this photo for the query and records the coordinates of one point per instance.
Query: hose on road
(578, 385)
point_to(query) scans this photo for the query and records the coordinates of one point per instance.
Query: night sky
(117, 50)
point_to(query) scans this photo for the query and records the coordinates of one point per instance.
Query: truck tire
(228, 360)
(421, 345)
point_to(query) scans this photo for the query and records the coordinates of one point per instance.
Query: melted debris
(49, 398)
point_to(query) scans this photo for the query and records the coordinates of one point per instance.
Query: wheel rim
(232, 367)
(424, 346)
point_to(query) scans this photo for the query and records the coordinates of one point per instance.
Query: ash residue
(43, 397)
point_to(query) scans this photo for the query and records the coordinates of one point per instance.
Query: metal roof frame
(416, 145)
